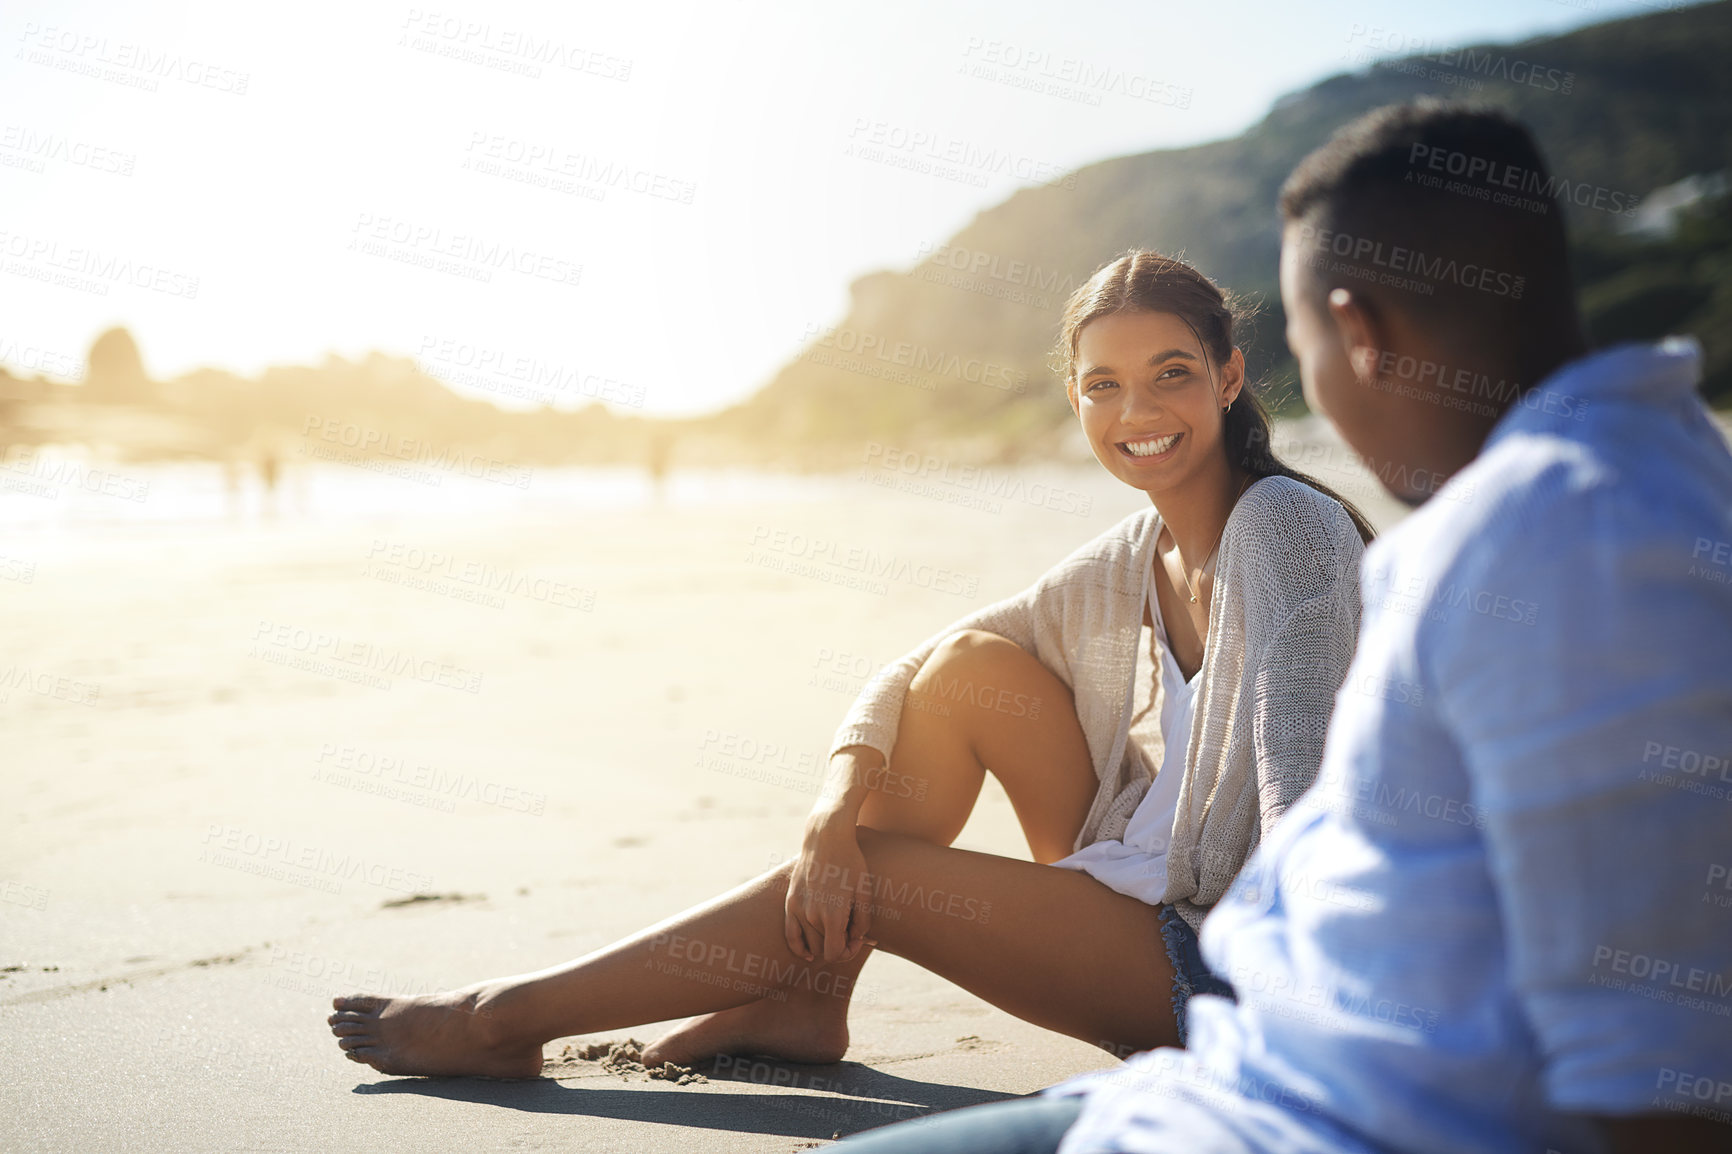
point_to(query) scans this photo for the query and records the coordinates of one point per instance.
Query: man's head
(1425, 277)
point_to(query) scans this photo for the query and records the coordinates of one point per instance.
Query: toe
(355, 1042)
(350, 1029)
(349, 1016)
(358, 1003)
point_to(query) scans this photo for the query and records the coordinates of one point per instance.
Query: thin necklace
(1189, 587)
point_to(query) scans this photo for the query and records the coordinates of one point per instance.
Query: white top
(1136, 865)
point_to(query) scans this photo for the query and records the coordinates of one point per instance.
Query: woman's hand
(828, 912)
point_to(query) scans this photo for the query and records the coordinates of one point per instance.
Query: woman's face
(1142, 389)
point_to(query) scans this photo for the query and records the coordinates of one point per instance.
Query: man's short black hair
(1441, 208)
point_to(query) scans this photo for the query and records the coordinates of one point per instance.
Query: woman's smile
(1145, 450)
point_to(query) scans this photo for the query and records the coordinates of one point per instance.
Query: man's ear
(1361, 329)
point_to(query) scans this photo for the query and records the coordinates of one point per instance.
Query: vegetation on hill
(1621, 109)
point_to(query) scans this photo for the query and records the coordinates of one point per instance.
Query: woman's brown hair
(1143, 281)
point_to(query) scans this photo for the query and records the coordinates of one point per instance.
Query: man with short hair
(1499, 921)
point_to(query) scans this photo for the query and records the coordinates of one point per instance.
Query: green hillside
(1625, 107)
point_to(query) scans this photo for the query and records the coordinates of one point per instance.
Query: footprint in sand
(622, 1059)
(974, 1043)
(423, 899)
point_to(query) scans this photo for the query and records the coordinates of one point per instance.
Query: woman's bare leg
(1053, 946)
(688, 964)
(980, 703)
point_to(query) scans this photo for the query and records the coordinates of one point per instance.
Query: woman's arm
(1308, 553)
(824, 916)
(1300, 671)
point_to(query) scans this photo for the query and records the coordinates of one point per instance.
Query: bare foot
(453, 1033)
(806, 1028)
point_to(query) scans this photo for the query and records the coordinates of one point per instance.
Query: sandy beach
(402, 733)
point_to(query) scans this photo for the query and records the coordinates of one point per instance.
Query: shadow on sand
(844, 1098)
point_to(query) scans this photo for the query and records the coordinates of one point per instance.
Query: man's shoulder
(1545, 496)
(1552, 533)
(1636, 454)
(1511, 508)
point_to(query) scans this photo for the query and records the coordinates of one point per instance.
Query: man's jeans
(1023, 1126)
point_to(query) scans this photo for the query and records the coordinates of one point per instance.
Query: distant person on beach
(658, 454)
(1152, 706)
(1492, 924)
(270, 471)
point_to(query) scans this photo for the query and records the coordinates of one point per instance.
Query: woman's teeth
(1150, 448)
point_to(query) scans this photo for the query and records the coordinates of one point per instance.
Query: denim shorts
(1190, 974)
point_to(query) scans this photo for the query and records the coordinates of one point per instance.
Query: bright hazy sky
(277, 136)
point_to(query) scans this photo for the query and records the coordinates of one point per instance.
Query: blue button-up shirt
(1507, 901)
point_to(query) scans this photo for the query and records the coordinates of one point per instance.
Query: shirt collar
(1656, 373)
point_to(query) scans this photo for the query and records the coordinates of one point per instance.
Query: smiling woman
(1147, 356)
(1144, 301)
(1149, 717)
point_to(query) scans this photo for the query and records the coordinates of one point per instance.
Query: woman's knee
(976, 650)
(974, 667)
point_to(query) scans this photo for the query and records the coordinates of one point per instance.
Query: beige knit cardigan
(1282, 622)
